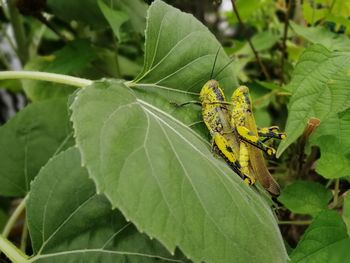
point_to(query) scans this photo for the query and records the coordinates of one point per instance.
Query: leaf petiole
(45, 76)
(13, 253)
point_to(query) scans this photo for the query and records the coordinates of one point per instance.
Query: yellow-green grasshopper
(242, 119)
(216, 117)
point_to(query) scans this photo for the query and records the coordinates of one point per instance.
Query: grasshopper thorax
(241, 98)
(211, 92)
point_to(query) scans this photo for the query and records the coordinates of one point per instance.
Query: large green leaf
(325, 240)
(180, 53)
(333, 139)
(69, 222)
(164, 179)
(115, 18)
(321, 35)
(28, 140)
(320, 88)
(88, 12)
(305, 197)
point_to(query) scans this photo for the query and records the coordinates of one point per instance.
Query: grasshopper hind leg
(221, 147)
(248, 137)
(244, 162)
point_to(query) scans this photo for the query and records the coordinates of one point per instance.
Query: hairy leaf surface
(325, 240)
(320, 88)
(69, 222)
(164, 178)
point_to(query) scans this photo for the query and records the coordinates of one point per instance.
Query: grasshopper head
(211, 92)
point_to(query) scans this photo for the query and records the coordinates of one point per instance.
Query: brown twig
(310, 128)
(257, 57)
(284, 40)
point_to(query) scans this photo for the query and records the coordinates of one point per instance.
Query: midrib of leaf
(63, 223)
(115, 234)
(168, 54)
(153, 85)
(158, 119)
(44, 242)
(190, 181)
(181, 68)
(142, 102)
(188, 142)
(100, 250)
(183, 138)
(64, 141)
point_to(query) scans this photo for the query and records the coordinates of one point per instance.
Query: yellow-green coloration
(235, 136)
(242, 118)
(216, 117)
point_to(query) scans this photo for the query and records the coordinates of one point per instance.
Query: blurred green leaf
(341, 8)
(311, 13)
(165, 180)
(320, 88)
(71, 59)
(136, 10)
(172, 62)
(333, 139)
(68, 221)
(114, 17)
(86, 12)
(29, 140)
(10, 84)
(335, 158)
(346, 211)
(265, 40)
(325, 240)
(303, 197)
(321, 35)
(39, 90)
(248, 8)
(107, 61)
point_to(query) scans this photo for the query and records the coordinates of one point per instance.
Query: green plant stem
(13, 253)
(24, 237)
(256, 54)
(13, 218)
(36, 75)
(297, 222)
(18, 30)
(284, 40)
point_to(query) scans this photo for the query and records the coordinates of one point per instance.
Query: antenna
(216, 56)
(228, 63)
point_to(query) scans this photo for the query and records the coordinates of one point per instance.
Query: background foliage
(116, 172)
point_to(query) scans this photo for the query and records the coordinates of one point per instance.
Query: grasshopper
(216, 117)
(243, 120)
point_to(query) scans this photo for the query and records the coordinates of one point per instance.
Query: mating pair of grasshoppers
(235, 136)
